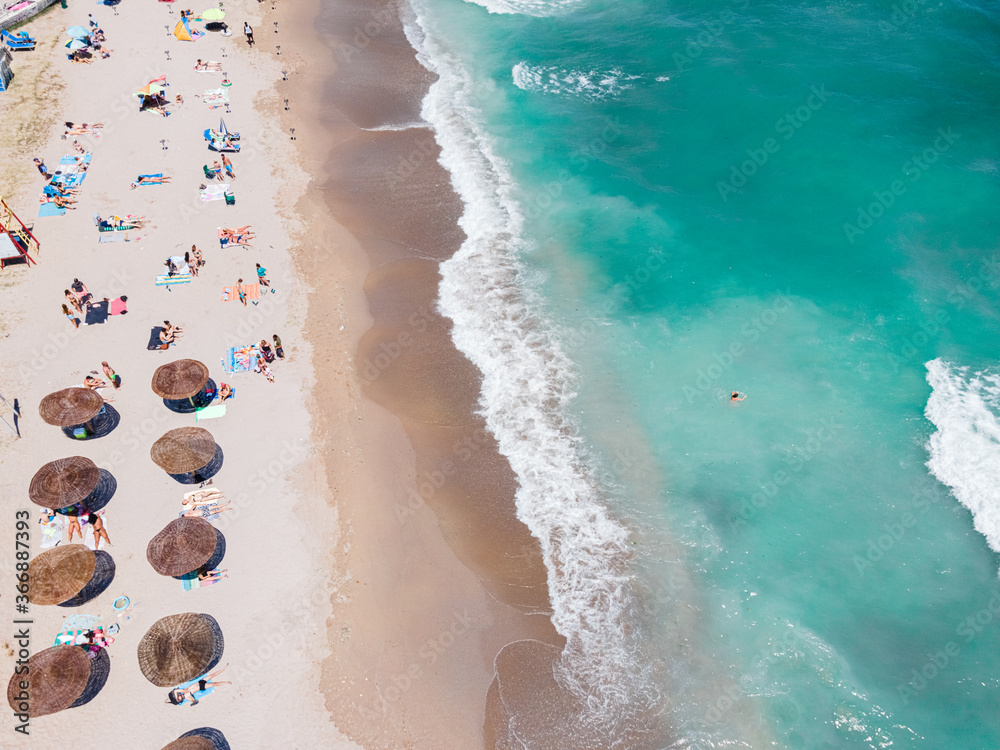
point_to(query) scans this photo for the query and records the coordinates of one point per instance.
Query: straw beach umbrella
(181, 379)
(203, 738)
(70, 406)
(183, 546)
(183, 450)
(179, 648)
(64, 482)
(59, 574)
(56, 678)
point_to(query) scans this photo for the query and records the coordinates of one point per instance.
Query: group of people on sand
(73, 516)
(96, 42)
(94, 382)
(169, 333)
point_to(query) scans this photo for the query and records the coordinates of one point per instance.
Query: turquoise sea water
(670, 201)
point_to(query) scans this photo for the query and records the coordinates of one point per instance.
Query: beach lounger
(17, 40)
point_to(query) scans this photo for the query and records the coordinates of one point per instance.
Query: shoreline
(444, 620)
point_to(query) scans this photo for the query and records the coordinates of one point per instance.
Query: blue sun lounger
(17, 41)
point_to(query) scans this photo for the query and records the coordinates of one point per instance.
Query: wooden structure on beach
(16, 240)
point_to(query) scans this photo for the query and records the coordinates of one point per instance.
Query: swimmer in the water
(737, 396)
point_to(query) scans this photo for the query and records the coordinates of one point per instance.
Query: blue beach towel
(50, 209)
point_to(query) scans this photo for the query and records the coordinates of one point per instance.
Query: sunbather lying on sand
(198, 498)
(82, 129)
(146, 180)
(62, 202)
(211, 576)
(208, 65)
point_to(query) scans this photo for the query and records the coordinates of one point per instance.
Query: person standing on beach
(262, 276)
(229, 167)
(70, 316)
(249, 32)
(241, 291)
(42, 169)
(198, 262)
(111, 375)
(277, 347)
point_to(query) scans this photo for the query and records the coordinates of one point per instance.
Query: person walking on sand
(111, 375)
(241, 291)
(249, 32)
(277, 347)
(70, 316)
(229, 167)
(262, 276)
(42, 169)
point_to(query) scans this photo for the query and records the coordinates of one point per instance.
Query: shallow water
(667, 203)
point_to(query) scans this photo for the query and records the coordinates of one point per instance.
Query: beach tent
(182, 31)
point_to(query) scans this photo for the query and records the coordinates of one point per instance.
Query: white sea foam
(527, 384)
(528, 7)
(965, 450)
(579, 84)
(416, 125)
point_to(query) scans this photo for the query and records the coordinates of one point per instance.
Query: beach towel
(214, 192)
(50, 209)
(240, 359)
(79, 637)
(193, 583)
(53, 531)
(147, 184)
(165, 280)
(215, 98)
(229, 293)
(198, 694)
(117, 306)
(210, 412)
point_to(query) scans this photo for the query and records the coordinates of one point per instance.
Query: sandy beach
(375, 566)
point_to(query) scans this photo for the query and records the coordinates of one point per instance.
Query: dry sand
(376, 568)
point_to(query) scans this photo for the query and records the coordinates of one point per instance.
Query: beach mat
(229, 293)
(240, 359)
(50, 209)
(210, 412)
(214, 193)
(164, 280)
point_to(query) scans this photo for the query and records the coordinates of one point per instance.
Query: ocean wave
(965, 450)
(585, 84)
(527, 385)
(527, 7)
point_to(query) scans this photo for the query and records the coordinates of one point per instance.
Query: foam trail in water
(527, 384)
(572, 83)
(965, 450)
(527, 7)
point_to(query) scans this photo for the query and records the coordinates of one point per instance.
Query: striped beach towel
(164, 280)
(240, 359)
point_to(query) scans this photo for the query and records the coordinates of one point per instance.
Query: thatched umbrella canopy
(56, 677)
(64, 482)
(183, 450)
(181, 379)
(70, 406)
(184, 545)
(179, 648)
(203, 738)
(194, 742)
(60, 573)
